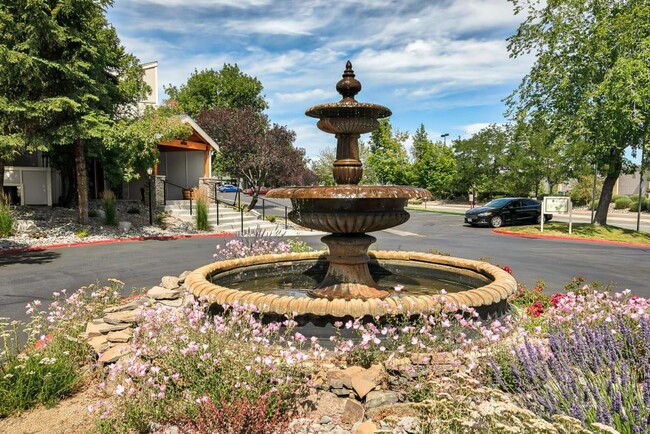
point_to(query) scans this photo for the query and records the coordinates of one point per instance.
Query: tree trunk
(82, 180)
(613, 173)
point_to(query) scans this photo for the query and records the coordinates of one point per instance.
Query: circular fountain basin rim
(350, 191)
(502, 286)
(348, 109)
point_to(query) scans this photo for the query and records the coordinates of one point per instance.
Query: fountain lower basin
(479, 285)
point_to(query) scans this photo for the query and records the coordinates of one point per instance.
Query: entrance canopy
(199, 141)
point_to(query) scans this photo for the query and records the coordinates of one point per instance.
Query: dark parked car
(228, 188)
(507, 211)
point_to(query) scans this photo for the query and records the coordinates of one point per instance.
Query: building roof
(199, 131)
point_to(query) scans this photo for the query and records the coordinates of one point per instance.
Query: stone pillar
(206, 186)
(157, 191)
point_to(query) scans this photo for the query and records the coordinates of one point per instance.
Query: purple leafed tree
(253, 149)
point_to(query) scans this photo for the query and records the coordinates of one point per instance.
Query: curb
(115, 241)
(566, 238)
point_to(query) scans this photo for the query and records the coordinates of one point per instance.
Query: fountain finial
(348, 86)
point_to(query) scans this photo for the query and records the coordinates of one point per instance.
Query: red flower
(507, 269)
(42, 342)
(581, 279)
(535, 309)
(555, 298)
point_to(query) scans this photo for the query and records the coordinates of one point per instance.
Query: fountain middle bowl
(489, 297)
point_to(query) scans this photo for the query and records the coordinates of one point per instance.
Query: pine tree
(64, 78)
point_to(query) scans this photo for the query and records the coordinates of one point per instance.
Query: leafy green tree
(388, 158)
(322, 166)
(435, 165)
(253, 149)
(591, 77)
(481, 161)
(132, 144)
(64, 77)
(210, 89)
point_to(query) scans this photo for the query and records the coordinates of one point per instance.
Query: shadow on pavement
(29, 257)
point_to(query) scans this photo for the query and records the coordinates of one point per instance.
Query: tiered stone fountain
(348, 211)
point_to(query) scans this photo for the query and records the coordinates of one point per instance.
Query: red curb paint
(117, 240)
(565, 238)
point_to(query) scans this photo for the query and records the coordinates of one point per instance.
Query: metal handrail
(237, 200)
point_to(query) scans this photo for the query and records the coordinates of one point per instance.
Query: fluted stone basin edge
(496, 292)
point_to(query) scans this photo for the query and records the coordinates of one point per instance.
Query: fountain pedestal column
(348, 276)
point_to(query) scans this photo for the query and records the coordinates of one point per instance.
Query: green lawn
(408, 208)
(584, 230)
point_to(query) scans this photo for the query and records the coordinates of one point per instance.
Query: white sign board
(557, 205)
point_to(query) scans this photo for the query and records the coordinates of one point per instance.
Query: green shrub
(109, 201)
(622, 202)
(595, 204)
(54, 361)
(582, 190)
(82, 233)
(133, 210)
(616, 197)
(6, 217)
(271, 218)
(202, 212)
(645, 204)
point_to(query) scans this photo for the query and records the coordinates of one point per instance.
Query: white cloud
(276, 26)
(472, 129)
(238, 4)
(307, 95)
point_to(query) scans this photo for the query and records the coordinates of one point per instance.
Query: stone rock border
(502, 286)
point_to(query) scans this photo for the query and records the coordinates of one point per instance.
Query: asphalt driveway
(35, 275)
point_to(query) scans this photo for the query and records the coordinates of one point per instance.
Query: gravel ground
(42, 226)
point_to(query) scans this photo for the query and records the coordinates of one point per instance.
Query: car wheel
(496, 221)
(539, 219)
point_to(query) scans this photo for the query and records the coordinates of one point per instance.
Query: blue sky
(440, 63)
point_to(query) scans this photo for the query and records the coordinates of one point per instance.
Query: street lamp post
(149, 173)
(444, 138)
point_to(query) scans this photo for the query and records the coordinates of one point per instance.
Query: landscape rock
(169, 282)
(97, 329)
(99, 344)
(160, 293)
(367, 427)
(409, 425)
(325, 420)
(362, 386)
(172, 303)
(124, 226)
(126, 306)
(352, 412)
(25, 227)
(101, 214)
(113, 354)
(130, 316)
(181, 278)
(379, 398)
(120, 336)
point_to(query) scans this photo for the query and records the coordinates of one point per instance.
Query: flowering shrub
(183, 358)
(51, 366)
(594, 373)
(243, 247)
(453, 329)
(593, 364)
(525, 297)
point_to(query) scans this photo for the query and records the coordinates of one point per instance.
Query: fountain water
(349, 211)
